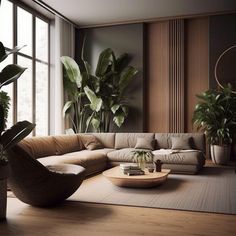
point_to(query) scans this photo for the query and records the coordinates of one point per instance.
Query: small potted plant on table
(142, 157)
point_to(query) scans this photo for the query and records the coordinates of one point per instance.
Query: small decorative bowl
(150, 169)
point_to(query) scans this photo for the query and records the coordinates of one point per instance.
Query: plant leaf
(4, 54)
(104, 61)
(122, 62)
(119, 120)
(16, 133)
(10, 73)
(95, 123)
(96, 103)
(67, 108)
(126, 77)
(114, 108)
(72, 70)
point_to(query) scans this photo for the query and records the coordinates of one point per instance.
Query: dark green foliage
(215, 114)
(100, 99)
(20, 130)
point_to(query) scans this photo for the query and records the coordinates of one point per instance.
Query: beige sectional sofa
(116, 148)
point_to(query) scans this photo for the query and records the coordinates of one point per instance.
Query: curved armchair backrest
(36, 185)
(23, 165)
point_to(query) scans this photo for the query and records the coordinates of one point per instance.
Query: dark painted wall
(222, 35)
(121, 39)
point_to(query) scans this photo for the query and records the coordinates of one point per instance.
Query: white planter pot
(4, 173)
(220, 154)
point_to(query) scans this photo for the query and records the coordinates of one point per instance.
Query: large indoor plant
(215, 114)
(8, 137)
(98, 100)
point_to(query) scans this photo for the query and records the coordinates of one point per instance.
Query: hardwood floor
(74, 218)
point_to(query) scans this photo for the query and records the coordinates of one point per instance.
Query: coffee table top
(116, 176)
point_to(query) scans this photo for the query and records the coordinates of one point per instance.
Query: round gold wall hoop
(217, 62)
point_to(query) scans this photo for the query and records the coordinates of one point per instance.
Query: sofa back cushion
(39, 146)
(106, 139)
(128, 140)
(91, 142)
(67, 143)
(196, 140)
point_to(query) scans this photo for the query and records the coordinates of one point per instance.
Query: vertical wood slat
(158, 77)
(176, 76)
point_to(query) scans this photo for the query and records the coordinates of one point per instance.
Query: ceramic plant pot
(220, 154)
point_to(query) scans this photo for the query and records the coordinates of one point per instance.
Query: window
(30, 94)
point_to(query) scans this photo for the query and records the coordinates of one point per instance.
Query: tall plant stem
(77, 116)
(73, 123)
(90, 119)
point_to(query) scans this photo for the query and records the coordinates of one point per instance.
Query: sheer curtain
(62, 44)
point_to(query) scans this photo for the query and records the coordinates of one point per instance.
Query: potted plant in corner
(215, 114)
(16, 133)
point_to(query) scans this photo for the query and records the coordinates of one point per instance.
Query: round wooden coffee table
(148, 180)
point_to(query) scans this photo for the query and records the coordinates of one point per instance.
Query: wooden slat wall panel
(177, 70)
(196, 63)
(157, 113)
(176, 76)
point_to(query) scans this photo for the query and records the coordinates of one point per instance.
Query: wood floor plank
(74, 218)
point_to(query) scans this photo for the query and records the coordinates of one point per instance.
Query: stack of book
(131, 169)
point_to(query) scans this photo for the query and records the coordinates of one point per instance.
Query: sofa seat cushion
(122, 155)
(84, 158)
(183, 157)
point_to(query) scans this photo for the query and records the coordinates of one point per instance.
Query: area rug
(212, 190)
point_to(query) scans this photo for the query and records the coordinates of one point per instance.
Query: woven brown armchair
(38, 185)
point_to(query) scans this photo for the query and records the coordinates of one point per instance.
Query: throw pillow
(180, 143)
(145, 143)
(91, 142)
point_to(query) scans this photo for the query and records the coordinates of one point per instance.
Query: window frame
(33, 58)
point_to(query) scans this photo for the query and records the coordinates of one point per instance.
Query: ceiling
(104, 12)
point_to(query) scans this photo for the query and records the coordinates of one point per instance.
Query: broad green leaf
(96, 103)
(114, 108)
(16, 133)
(119, 120)
(67, 108)
(72, 70)
(104, 61)
(122, 62)
(95, 123)
(10, 73)
(125, 109)
(126, 77)
(88, 121)
(4, 54)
